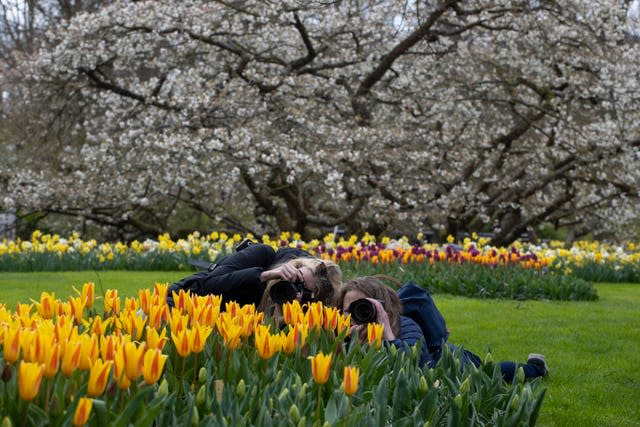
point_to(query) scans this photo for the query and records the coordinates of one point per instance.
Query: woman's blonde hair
(328, 278)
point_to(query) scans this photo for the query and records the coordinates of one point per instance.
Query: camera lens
(283, 291)
(363, 311)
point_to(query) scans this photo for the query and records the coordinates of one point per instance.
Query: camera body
(284, 291)
(363, 311)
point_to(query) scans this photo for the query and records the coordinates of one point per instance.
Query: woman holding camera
(368, 300)
(244, 276)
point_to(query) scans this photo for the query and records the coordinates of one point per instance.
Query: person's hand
(284, 272)
(381, 317)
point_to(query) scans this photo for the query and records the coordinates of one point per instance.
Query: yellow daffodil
(29, 379)
(153, 364)
(321, 367)
(83, 411)
(98, 377)
(350, 382)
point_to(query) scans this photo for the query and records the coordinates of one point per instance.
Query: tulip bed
(471, 267)
(139, 363)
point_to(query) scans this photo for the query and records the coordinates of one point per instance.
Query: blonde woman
(244, 275)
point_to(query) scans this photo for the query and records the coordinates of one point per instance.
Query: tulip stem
(319, 406)
(195, 369)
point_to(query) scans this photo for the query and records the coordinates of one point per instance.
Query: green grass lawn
(591, 347)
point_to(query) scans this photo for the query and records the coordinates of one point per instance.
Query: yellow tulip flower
(155, 340)
(266, 344)
(83, 411)
(181, 341)
(133, 359)
(198, 337)
(29, 379)
(77, 308)
(51, 360)
(374, 334)
(118, 369)
(71, 357)
(47, 306)
(321, 367)
(350, 382)
(11, 347)
(98, 377)
(153, 364)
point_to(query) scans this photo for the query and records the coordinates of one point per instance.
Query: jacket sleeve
(410, 335)
(237, 277)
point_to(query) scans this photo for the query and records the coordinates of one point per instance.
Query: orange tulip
(153, 364)
(321, 367)
(83, 411)
(98, 377)
(29, 379)
(350, 382)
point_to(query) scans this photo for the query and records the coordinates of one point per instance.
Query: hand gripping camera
(284, 291)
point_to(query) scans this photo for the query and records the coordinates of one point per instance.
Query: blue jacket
(410, 335)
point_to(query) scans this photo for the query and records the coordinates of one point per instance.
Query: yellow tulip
(71, 357)
(77, 308)
(29, 379)
(231, 332)
(374, 334)
(83, 411)
(350, 382)
(98, 377)
(89, 294)
(51, 360)
(47, 305)
(161, 289)
(118, 369)
(321, 367)
(198, 337)
(11, 348)
(155, 340)
(331, 316)
(112, 302)
(153, 364)
(144, 295)
(181, 341)
(266, 344)
(90, 350)
(133, 359)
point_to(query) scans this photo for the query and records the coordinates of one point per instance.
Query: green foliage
(481, 281)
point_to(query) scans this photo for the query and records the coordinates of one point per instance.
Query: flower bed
(139, 362)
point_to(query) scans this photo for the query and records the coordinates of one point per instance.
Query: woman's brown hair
(372, 287)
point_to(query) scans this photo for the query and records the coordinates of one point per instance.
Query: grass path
(592, 348)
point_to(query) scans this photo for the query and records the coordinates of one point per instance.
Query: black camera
(284, 291)
(363, 311)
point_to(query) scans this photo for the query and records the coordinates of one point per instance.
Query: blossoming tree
(453, 115)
